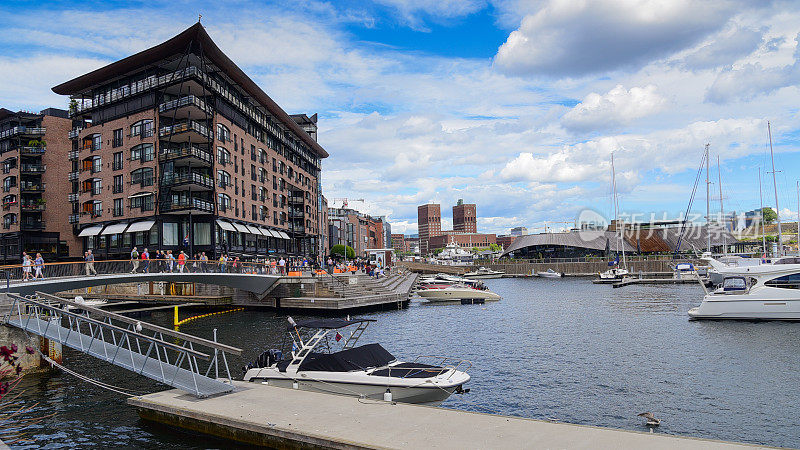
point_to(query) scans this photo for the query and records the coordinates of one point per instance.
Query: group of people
(28, 264)
(376, 269)
(165, 261)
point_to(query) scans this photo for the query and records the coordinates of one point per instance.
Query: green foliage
(340, 250)
(769, 215)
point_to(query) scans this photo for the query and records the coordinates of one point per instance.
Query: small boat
(550, 273)
(366, 371)
(613, 275)
(684, 270)
(483, 273)
(456, 292)
(442, 279)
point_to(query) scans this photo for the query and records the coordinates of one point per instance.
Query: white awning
(252, 229)
(240, 228)
(283, 235)
(273, 234)
(257, 230)
(225, 225)
(265, 232)
(91, 231)
(141, 226)
(141, 194)
(114, 229)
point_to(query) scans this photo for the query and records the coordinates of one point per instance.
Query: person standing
(90, 264)
(170, 261)
(26, 267)
(181, 261)
(146, 261)
(282, 266)
(134, 260)
(39, 265)
(203, 262)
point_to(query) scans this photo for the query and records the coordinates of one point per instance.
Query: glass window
(143, 153)
(170, 233)
(791, 281)
(142, 128)
(117, 140)
(118, 158)
(202, 234)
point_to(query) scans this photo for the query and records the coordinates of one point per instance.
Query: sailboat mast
(775, 187)
(620, 243)
(722, 209)
(798, 218)
(761, 223)
(708, 204)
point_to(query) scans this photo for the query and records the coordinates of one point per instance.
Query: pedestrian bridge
(61, 277)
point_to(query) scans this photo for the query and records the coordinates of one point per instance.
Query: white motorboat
(442, 279)
(366, 371)
(456, 292)
(482, 273)
(763, 292)
(549, 273)
(613, 275)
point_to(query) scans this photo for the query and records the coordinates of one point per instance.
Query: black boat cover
(359, 358)
(327, 324)
(410, 370)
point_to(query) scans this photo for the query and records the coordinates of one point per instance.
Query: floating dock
(631, 281)
(277, 417)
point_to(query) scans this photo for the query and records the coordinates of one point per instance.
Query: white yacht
(549, 273)
(366, 371)
(763, 292)
(482, 273)
(456, 292)
(453, 255)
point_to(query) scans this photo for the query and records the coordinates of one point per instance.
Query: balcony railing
(73, 176)
(295, 199)
(172, 179)
(22, 130)
(183, 127)
(92, 147)
(32, 225)
(143, 181)
(186, 203)
(73, 133)
(72, 197)
(33, 168)
(73, 154)
(32, 207)
(185, 101)
(74, 218)
(33, 150)
(32, 187)
(169, 153)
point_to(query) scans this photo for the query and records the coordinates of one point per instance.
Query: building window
(97, 209)
(97, 142)
(142, 153)
(117, 187)
(223, 156)
(116, 141)
(97, 164)
(142, 128)
(170, 233)
(143, 176)
(118, 211)
(223, 179)
(253, 152)
(254, 213)
(117, 163)
(223, 133)
(142, 202)
(202, 233)
(223, 202)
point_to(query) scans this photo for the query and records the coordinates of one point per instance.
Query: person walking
(282, 266)
(134, 260)
(39, 265)
(146, 261)
(181, 261)
(170, 261)
(26, 267)
(90, 264)
(222, 261)
(203, 262)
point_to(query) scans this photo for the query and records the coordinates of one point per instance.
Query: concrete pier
(283, 418)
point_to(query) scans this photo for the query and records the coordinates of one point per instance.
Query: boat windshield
(734, 284)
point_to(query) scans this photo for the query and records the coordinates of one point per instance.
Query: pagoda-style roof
(199, 40)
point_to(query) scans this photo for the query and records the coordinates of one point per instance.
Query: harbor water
(552, 349)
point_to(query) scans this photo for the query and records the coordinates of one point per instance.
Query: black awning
(327, 324)
(359, 358)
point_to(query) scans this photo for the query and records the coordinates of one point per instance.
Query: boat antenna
(775, 187)
(708, 203)
(721, 209)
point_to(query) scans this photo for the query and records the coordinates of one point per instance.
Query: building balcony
(24, 131)
(8, 205)
(72, 197)
(33, 168)
(33, 150)
(295, 199)
(188, 153)
(298, 230)
(31, 187)
(73, 176)
(185, 205)
(294, 214)
(91, 147)
(74, 218)
(31, 225)
(186, 131)
(188, 180)
(73, 154)
(185, 107)
(32, 207)
(73, 133)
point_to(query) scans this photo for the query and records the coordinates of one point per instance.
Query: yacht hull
(427, 395)
(446, 295)
(747, 309)
(484, 277)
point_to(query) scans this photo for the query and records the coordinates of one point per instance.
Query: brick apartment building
(465, 218)
(33, 148)
(357, 230)
(429, 223)
(176, 148)
(399, 243)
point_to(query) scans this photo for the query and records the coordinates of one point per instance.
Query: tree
(339, 249)
(769, 215)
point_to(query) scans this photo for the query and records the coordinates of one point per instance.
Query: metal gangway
(138, 346)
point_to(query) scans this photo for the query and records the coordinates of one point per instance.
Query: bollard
(175, 317)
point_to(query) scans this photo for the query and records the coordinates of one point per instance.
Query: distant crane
(345, 200)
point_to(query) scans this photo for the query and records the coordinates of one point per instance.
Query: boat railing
(445, 362)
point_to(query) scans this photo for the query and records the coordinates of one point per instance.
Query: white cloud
(579, 37)
(412, 11)
(619, 106)
(724, 48)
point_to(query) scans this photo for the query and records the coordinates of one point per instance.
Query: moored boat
(549, 273)
(456, 292)
(483, 273)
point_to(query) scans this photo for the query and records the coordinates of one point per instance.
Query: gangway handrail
(149, 326)
(84, 318)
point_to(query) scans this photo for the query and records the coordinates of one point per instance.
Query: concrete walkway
(281, 418)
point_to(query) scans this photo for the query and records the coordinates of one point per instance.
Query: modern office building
(465, 217)
(519, 231)
(33, 150)
(176, 148)
(429, 223)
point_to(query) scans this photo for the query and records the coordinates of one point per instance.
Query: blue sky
(516, 105)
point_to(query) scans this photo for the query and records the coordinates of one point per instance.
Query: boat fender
(461, 390)
(295, 385)
(387, 396)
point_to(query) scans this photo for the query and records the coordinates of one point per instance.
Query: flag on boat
(338, 337)
(294, 347)
(614, 262)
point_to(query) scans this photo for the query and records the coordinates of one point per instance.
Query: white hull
(483, 277)
(431, 395)
(548, 275)
(450, 294)
(747, 308)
